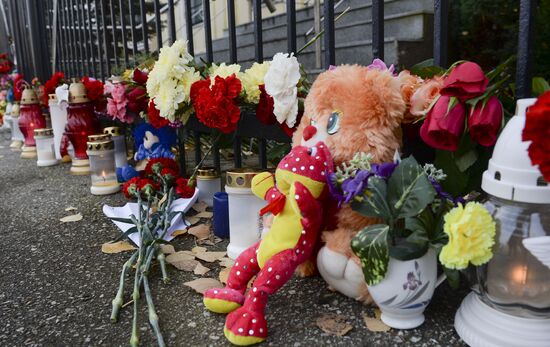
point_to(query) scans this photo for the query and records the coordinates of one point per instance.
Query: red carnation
(153, 115)
(49, 87)
(466, 81)
(215, 107)
(264, 110)
(94, 88)
(156, 165)
(140, 77)
(130, 187)
(183, 190)
(537, 130)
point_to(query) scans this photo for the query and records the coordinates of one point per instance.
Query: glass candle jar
(30, 118)
(102, 167)
(208, 183)
(121, 157)
(45, 148)
(58, 115)
(17, 137)
(245, 222)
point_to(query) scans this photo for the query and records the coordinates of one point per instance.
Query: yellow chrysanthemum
(127, 74)
(224, 70)
(471, 231)
(251, 78)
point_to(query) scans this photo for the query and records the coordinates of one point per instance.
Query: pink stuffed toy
(297, 202)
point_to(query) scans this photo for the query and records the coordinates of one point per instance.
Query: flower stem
(198, 166)
(153, 317)
(118, 300)
(162, 261)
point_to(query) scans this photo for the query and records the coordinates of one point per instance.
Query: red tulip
(442, 130)
(484, 122)
(466, 81)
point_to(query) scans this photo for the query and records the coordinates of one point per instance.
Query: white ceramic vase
(406, 290)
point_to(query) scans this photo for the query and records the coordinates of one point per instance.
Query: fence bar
(207, 30)
(232, 33)
(378, 29)
(105, 36)
(114, 28)
(81, 39)
(158, 27)
(171, 22)
(66, 39)
(182, 154)
(21, 56)
(133, 30)
(525, 46)
(291, 25)
(87, 40)
(441, 31)
(197, 140)
(124, 38)
(259, 52)
(91, 36)
(61, 39)
(189, 27)
(144, 29)
(330, 56)
(98, 35)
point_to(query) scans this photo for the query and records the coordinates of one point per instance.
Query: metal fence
(90, 37)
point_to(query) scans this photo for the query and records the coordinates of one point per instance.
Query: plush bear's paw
(245, 327)
(223, 300)
(342, 274)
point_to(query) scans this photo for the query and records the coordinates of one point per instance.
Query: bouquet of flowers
(416, 214)
(169, 83)
(127, 99)
(57, 79)
(6, 65)
(155, 190)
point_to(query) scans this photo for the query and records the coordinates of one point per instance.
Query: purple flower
(383, 170)
(334, 189)
(355, 186)
(443, 194)
(378, 64)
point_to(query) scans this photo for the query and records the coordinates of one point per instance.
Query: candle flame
(519, 274)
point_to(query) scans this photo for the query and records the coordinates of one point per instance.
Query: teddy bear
(352, 109)
(295, 196)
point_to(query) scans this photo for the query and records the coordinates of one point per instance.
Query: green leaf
(465, 161)
(122, 220)
(125, 234)
(406, 250)
(426, 69)
(456, 181)
(453, 277)
(409, 190)
(539, 85)
(371, 246)
(375, 205)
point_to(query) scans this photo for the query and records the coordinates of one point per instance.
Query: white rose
(281, 80)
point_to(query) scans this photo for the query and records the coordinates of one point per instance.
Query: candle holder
(45, 148)
(245, 222)
(81, 122)
(208, 183)
(30, 118)
(17, 138)
(58, 115)
(101, 154)
(121, 156)
(510, 304)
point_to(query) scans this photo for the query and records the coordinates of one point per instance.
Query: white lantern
(17, 137)
(510, 305)
(121, 157)
(101, 154)
(45, 148)
(208, 183)
(245, 222)
(58, 114)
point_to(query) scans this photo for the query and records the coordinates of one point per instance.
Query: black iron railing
(90, 37)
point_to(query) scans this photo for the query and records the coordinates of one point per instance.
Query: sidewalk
(56, 285)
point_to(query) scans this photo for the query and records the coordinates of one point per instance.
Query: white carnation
(281, 82)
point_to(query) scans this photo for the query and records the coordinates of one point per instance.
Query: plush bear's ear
(387, 88)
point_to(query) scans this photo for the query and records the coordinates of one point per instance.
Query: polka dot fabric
(246, 324)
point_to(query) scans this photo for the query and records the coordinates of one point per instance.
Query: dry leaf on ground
(70, 208)
(198, 249)
(201, 231)
(375, 324)
(116, 247)
(204, 214)
(333, 324)
(226, 262)
(203, 284)
(192, 220)
(200, 269)
(167, 249)
(200, 206)
(182, 261)
(179, 232)
(210, 256)
(224, 274)
(72, 218)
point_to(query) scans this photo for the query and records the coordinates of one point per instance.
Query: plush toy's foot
(342, 274)
(244, 327)
(223, 300)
